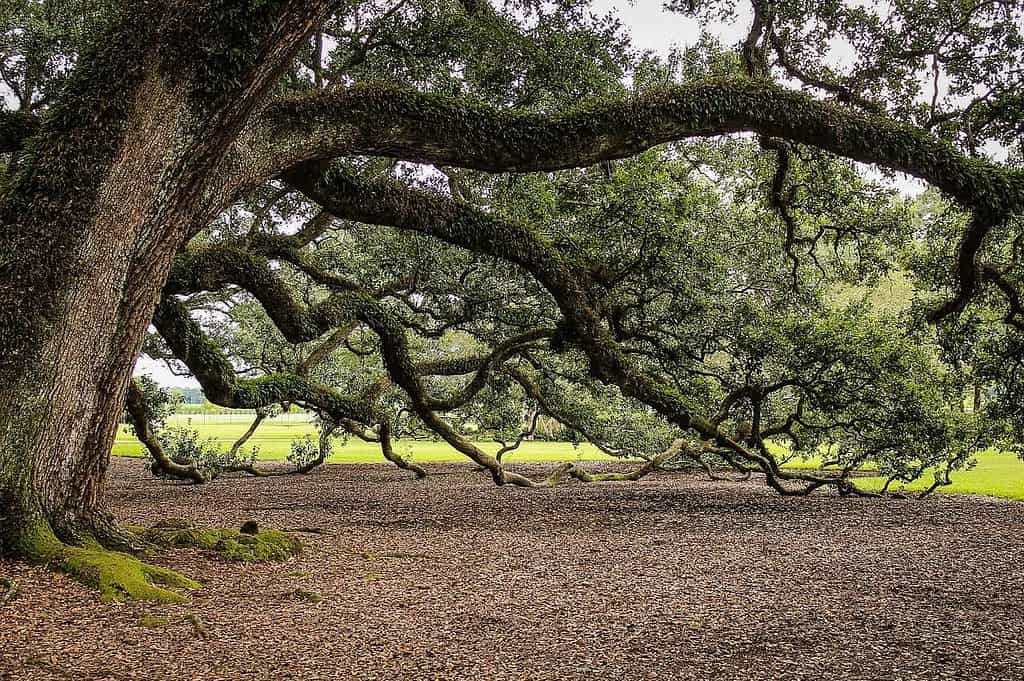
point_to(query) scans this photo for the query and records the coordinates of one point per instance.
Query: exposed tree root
(120, 577)
(270, 545)
(116, 575)
(304, 596)
(148, 621)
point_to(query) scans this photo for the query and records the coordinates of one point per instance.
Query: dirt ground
(673, 577)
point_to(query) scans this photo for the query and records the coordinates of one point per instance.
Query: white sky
(161, 374)
(653, 28)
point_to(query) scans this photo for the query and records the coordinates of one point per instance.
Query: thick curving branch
(528, 432)
(390, 121)
(261, 416)
(214, 267)
(386, 120)
(532, 388)
(135, 404)
(646, 468)
(394, 457)
(323, 452)
(222, 386)
(482, 368)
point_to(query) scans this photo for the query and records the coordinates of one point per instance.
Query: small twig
(309, 530)
(10, 590)
(200, 629)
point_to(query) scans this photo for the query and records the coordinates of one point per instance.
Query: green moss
(271, 545)
(169, 537)
(119, 577)
(265, 546)
(297, 573)
(305, 596)
(154, 621)
(37, 542)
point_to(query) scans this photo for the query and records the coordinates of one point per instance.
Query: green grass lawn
(275, 435)
(997, 473)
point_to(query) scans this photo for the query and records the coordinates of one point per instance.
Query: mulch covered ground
(673, 577)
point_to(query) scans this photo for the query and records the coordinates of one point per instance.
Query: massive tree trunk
(123, 170)
(60, 408)
(77, 220)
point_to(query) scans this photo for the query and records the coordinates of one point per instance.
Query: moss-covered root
(271, 545)
(117, 576)
(120, 577)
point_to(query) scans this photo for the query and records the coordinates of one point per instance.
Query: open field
(275, 435)
(673, 577)
(997, 473)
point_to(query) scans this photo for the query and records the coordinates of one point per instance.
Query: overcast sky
(652, 28)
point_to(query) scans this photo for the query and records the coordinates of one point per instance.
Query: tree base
(121, 577)
(117, 576)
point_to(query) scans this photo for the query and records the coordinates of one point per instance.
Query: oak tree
(603, 232)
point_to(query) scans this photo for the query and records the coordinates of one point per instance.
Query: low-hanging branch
(646, 468)
(387, 449)
(138, 412)
(141, 419)
(223, 387)
(223, 265)
(301, 468)
(228, 264)
(219, 266)
(527, 432)
(532, 388)
(387, 202)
